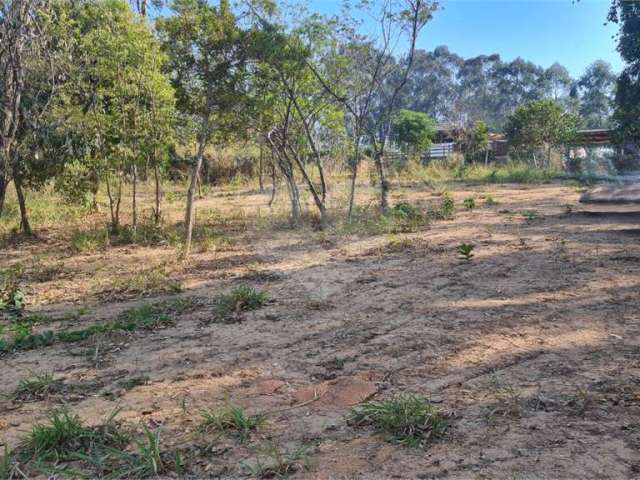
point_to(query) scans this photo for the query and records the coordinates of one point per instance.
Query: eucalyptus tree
(208, 54)
(597, 92)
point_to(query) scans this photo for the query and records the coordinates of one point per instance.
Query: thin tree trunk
(3, 192)
(273, 183)
(24, 220)
(260, 168)
(156, 213)
(195, 174)
(384, 183)
(486, 157)
(354, 176)
(134, 205)
(114, 206)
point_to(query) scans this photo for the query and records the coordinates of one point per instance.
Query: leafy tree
(33, 59)
(414, 131)
(117, 104)
(597, 86)
(476, 142)
(208, 55)
(627, 99)
(541, 124)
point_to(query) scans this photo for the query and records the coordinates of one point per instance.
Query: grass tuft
(37, 387)
(232, 420)
(407, 420)
(241, 299)
(275, 462)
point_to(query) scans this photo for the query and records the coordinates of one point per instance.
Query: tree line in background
(94, 94)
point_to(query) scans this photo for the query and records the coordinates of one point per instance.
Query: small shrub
(469, 203)
(465, 250)
(407, 420)
(240, 299)
(234, 420)
(446, 209)
(406, 211)
(133, 382)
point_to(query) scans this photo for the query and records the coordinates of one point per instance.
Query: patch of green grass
(64, 437)
(147, 281)
(144, 317)
(234, 420)
(7, 467)
(65, 447)
(241, 299)
(38, 386)
(465, 250)
(406, 419)
(87, 241)
(275, 462)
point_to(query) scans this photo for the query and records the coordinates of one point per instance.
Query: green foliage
(146, 281)
(12, 295)
(64, 446)
(446, 209)
(465, 250)
(476, 141)
(406, 211)
(414, 131)
(85, 241)
(541, 124)
(469, 203)
(232, 420)
(240, 299)
(407, 420)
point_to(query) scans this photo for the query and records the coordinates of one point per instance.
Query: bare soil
(532, 347)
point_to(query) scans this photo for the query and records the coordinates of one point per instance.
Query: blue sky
(542, 31)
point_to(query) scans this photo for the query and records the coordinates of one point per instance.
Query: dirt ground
(532, 348)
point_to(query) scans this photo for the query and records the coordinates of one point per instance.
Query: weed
(445, 210)
(143, 317)
(406, 211)
(337, 363)
(529, 215)
(469, 203)
(275, 462)
(508, 403)
(232, 419)
(406, 419)
(12, 296)
(240, 299)
(38, 386)
(465, 251)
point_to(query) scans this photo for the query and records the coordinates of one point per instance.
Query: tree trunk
(354, 177)
(3, 192)
(260, 168)
(486, 157)
(24, 220)
(134, 206)
(384, 183)
(156, 213)
(189, 216)
(114, 206)
(274, 183)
